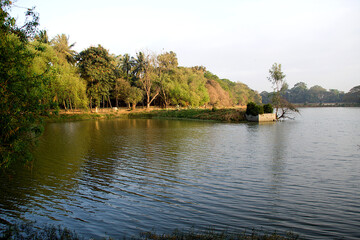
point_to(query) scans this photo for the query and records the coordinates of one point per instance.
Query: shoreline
(219, 115)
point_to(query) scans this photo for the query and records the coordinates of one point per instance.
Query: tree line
(95, 78)
(301, 94)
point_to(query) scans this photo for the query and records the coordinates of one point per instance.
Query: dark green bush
(268, 108)
(254, 109)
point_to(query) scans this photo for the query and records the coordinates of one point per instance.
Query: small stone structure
(266, 117)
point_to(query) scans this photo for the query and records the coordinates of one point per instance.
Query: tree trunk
(149, 102)
(103, 101)
(109, 101)
(70, 104)
(90, 104)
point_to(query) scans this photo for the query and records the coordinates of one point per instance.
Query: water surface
(121, 177)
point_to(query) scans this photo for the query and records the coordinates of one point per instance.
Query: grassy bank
(222, 115)
(31, 232)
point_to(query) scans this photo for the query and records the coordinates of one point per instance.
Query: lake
(121, 177)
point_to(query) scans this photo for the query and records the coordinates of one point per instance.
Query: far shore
(207, 114)
(234, 114)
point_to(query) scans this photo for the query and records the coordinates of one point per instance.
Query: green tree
(134, 96)
(63, 47)
(317, 94)
(121, 90)
(277, 78)
(21, 90)
(353, 96)
(42, 37)
(146, 75)
(167, 65)
(65, 87)
(126, 65)
(299, 93)
(97, 67)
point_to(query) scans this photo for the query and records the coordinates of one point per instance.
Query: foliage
(254, 109)
(146, 75)
(134, 96)
(63, 48)
(282, 106)
(353, 95)
(218, 96)
(268, 108)
(301, 94)
(189, 88)
(97, 67)
(239, 93)
(167, 65)
(21, 90)
(65, 87)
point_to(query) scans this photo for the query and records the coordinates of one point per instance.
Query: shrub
(268, 108)
(254, 109)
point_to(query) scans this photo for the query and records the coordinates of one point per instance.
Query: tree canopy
(21, 88)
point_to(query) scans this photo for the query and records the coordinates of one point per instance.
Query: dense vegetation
(300, 93)
(255, 109)
(24, 95)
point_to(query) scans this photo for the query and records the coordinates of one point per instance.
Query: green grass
(223, 115)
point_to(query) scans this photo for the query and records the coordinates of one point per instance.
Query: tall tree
(42, 37)
(167, 65)
(145, 72)
(127, 64)
(353, 95)
(21, 90)
(121, 90)
(97, 67)
(299, 93)
(64, 48)
(277, 78)
(134, 96)
(317, 94)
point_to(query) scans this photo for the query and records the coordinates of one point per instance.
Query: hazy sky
(316, 41)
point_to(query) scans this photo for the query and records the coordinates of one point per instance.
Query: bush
(268, 108)
(254, 109)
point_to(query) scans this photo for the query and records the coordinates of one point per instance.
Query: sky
(315, 41)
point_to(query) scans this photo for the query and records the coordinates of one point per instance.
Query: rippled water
(121, 177)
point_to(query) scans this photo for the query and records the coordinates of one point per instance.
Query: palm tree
(127, 64)
(42, 37)
(140, 64)
(62, 46)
